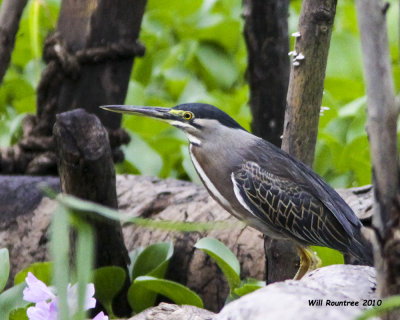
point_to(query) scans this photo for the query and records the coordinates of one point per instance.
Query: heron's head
(199, 121)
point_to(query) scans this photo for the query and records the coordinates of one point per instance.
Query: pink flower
(100, 316)
(46, 307)
(36, 291)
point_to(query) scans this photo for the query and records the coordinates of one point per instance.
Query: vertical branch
(266, 35)
(382, 132)
(302, 112)
(10, 14)
(307, 76)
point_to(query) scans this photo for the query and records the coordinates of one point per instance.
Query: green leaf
(387, 305)
(133, 255)
(12, 299)
(152, 261)
(41, 270)
(18, 314)
(59, 249)
(4, 267)
(84, 262)
(217, 65)
(328, 256)
(224, 258)
(248, 286)
(108, 281)
(170, 289)
(142, 156)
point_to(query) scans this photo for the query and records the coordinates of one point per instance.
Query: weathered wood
(166, 311)
(382, 133)
(26, 235)
(266, 35)
(86, 171)
(290, 299)
(304, 95)
(306, 83)
(10, 14)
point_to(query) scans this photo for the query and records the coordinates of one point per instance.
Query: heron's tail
(361, 249)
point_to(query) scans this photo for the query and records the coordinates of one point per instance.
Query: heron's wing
(286, 207)
(275, 160)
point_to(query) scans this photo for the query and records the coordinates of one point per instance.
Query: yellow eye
(188, 115)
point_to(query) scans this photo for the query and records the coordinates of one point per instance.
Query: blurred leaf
(4, 267)
(142, 156)
(328, 256)
(224, 258)
(248, 286)
(388, 304)
(175, 291)
(108, 281)
(12, 299)
(84, 262)
(18, 314)
(219, 70)
(352, 108)
(59, 249)
(41, 270)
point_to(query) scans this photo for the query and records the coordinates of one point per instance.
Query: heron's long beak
(151, 112)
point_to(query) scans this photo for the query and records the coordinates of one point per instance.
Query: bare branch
(10, 14)
(382, 110)
(382, 133)
(307, 76)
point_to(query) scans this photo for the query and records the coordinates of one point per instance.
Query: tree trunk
(89, 60)
(382, 133)
(266, 35)
(87, 171)
(307, 76)
(10, 14)
(304, 99)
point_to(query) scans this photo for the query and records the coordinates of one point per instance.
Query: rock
(290, 299)
(166, 311)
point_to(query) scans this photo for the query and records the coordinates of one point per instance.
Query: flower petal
(90, 302)
(101, 316)
(36, 291)
(41, 311)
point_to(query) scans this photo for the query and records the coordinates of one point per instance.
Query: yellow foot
(309, 261)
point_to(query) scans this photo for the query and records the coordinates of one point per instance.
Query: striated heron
(262, 185)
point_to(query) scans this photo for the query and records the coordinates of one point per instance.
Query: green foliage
(151, 261)
(224, 258)
(41, 270)
(108, 281)
(388, 304)
(230, 267)
(195, 52)
(170, 289)
(4, 267)
(11, 299)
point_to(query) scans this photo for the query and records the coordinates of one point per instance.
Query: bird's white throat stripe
(193, 139)
(179, 124)
(207, 181)
(238, 195)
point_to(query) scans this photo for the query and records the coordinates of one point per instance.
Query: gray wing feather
(287, 208)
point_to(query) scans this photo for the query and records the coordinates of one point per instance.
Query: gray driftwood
(290, 299)
(25, 233)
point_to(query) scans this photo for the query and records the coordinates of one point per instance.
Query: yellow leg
(309, 261)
